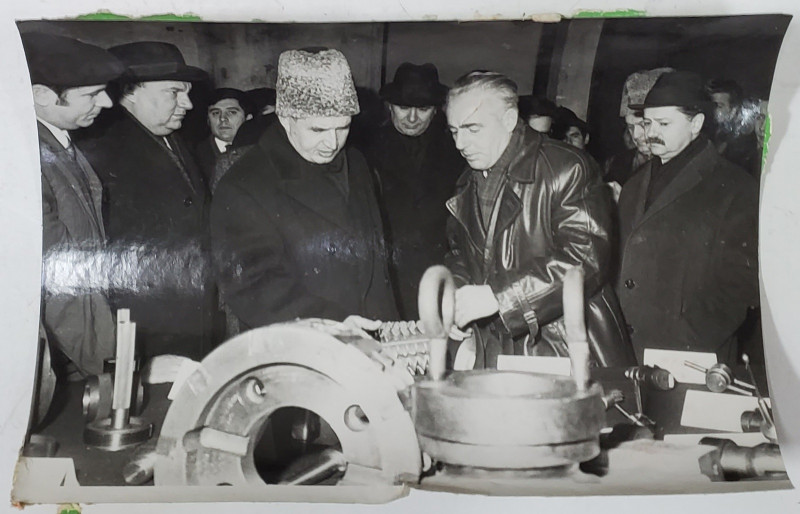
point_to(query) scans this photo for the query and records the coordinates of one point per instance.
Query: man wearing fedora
(619, 167)
(157, 203)
(418, 166)
(528, 209)
(68, 80)
(295, 224)
(688, 231)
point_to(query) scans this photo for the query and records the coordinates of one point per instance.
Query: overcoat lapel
(53, 153)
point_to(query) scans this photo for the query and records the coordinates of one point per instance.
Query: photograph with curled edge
(499, 257)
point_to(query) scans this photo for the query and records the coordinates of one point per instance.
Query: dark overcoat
(552, 213)
(290, 243)
(76, 313)
(689, 268)
(157, 221)
(417, 176)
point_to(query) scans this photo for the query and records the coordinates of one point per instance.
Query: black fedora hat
(155, 60)
(415, 86)
(677, 89)
(60, 61)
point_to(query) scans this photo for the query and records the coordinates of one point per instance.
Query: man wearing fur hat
(295, 225)
(157, 203)
(688, 231)
(418, 166)
(68, 79)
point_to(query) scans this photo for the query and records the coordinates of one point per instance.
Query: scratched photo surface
(237, 218)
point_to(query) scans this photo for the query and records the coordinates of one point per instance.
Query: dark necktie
(70, 149)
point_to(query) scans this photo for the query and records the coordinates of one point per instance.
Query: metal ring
(437, 323)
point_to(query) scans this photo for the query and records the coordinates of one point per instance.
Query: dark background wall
(580, 63)
(742, 48)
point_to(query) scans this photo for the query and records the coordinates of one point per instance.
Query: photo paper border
(779, 220)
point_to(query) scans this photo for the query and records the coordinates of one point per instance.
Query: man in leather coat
(527, 209)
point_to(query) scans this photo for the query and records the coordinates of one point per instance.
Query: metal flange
(211, 431)
(508, 420)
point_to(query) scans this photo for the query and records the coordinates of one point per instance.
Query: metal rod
(696, 367)
(628, 415)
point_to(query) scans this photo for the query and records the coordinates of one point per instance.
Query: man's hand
(474, 302)
(361, 324)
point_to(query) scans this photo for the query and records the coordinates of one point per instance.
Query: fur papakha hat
(315, 84)
(636, 87)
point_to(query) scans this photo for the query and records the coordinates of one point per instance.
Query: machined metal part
(655, 377)
(98, 393)
(507, 420)
(212, 431)
(104, 435)
(730, 461)
(406, 341)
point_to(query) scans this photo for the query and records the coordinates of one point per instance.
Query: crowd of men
(274, 216)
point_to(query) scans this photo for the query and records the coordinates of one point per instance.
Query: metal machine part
(225, 422)
(653, 376)
(506, 420)
(98, 393)
(720, 378)
(406, 341)
(513, 421)
(730, 461)
(118, 429)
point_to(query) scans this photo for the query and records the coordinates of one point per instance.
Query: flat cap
(65, 62)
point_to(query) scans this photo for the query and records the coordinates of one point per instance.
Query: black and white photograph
(510, 257)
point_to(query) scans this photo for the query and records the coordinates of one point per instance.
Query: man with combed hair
(68, 80)
(295, 225)
(688, 231)
(527, 209)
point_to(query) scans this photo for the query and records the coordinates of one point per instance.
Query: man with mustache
(688, 231)
(418, 166)
(621, 166)
(156, 210)
(68, 80)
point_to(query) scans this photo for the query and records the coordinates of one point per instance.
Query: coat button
(188, 201)
(630, 329)
(630, 284)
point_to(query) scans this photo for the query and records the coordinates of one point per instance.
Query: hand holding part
(362, 325)
(474, 303)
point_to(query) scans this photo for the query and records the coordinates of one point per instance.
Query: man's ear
(586, 140)
(697, 123)
(510, 118)
(43, 96)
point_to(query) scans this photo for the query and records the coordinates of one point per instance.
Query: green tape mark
(624, 13)
(767, 134)
(109, 16)
(71, 508)
(102, 16)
